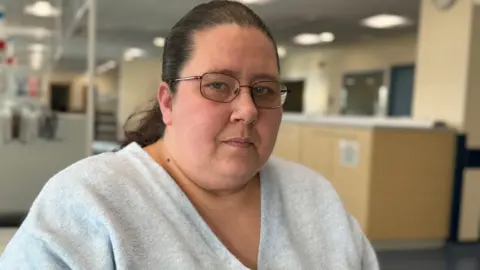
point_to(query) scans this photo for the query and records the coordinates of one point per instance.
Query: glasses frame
(191, 78)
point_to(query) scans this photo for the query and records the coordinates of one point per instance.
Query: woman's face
(221, 146)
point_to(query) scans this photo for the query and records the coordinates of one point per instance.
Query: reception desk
(394, 176)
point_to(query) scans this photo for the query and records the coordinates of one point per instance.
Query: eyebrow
(256, 77)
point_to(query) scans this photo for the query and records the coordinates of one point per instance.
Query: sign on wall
(349, 153)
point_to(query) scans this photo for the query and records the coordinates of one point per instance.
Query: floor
(452, 257)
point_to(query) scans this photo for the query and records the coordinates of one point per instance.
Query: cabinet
(399, 188)
(288, 143)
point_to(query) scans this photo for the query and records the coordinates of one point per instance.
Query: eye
(218, 86)
(262, 90)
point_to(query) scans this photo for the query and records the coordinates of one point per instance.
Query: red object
(3, 45)
(33, 86)
(10, 60)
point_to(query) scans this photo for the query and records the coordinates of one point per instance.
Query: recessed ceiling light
(133, 53)
(42, 9)
(385, 21)
(311, 39)
(282, 51)
(327, 37)
(159, 42)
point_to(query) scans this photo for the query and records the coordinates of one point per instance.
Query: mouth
(239, 142)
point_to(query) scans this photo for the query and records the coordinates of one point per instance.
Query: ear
(165, 100)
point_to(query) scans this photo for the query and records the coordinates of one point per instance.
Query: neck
(204, 199)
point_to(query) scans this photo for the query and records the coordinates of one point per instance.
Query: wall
(106, 83)
(138, 83)
(442, 70)
(323, 68)
(470, 213)
(472, 126)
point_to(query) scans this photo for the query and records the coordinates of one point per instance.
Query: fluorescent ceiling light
(133, 53)
(42, 9)
(282, 51)
(310, 39)
(385, 21)
(159, 42)
(106, 67)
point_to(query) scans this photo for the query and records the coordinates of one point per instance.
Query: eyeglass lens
(224, 88)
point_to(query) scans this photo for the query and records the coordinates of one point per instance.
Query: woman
(205, 193)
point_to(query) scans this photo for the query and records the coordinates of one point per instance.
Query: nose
(244, 109)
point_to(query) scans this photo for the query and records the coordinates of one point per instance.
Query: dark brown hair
(178, 49)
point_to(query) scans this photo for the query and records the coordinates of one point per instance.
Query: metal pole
(92, 40)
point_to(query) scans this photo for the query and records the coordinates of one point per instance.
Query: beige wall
(472, 123)
(323, 68)
(138, 83)
(470, 212)
(442, 64)
(447, 85)
(62, 77)
(106, 83)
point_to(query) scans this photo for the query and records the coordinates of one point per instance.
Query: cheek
(195, 117)
(268, 126)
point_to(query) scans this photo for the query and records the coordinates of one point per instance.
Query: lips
(240, 142)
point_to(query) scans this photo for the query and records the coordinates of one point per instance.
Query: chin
(238, 173)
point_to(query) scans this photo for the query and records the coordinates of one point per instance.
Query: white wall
(138, 84)
(323, 68)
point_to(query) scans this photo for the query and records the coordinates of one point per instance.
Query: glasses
(224, 88)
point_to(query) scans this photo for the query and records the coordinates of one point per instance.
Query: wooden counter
(395, 180)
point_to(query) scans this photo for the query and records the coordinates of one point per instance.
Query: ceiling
(134, 23)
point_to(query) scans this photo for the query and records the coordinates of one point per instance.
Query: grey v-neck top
(123, 211)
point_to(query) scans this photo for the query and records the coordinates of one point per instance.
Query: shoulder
(308, 198)
(95, 178)
(304, 190)
(291, 175)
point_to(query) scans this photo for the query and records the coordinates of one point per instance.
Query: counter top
(359, 121)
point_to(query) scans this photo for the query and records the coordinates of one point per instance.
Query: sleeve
(63, 230)
(368, 256)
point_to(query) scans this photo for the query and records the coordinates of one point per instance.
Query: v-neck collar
(211, 238)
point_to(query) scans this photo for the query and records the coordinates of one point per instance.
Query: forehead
(244, 50)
